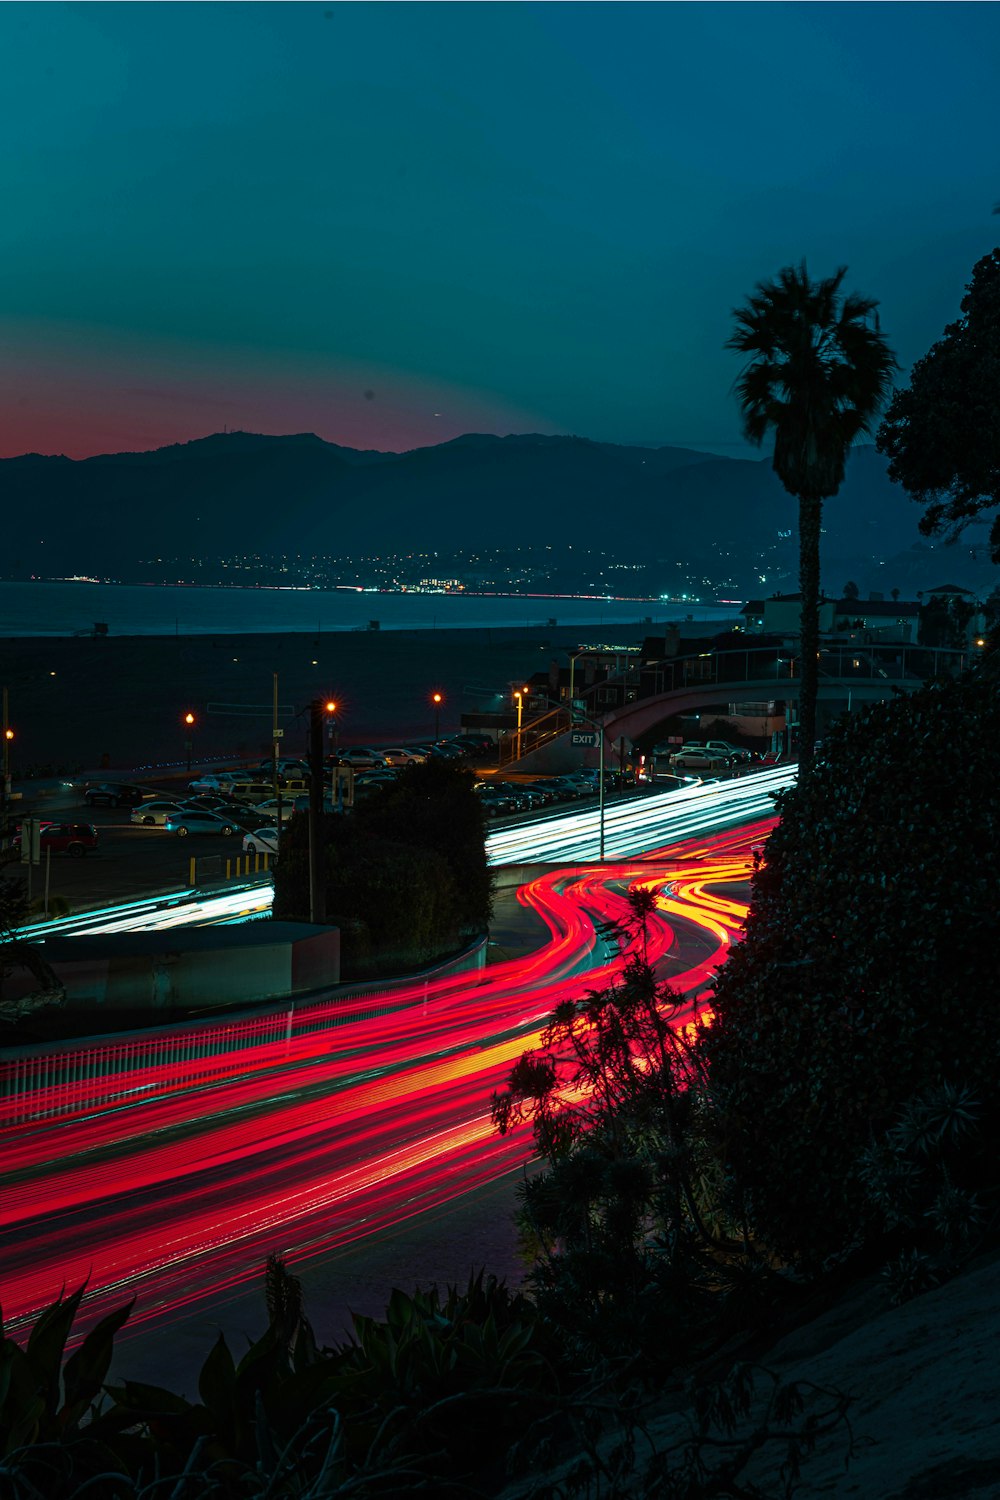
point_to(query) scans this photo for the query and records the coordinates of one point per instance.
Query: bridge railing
(859, 663)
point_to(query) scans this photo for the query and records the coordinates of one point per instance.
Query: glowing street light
(189, 722)
(520, 694)
(437, 699)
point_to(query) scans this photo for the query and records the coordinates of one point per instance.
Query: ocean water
(67, 609)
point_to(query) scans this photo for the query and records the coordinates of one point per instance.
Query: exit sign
(585, 738)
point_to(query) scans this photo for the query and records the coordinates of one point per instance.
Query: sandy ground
(76, 701)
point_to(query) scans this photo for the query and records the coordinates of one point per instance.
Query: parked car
(403, 755)
(220, 781)
(269, 810)
(251, 791)
(543, 789)
(155, 814)
(74, 839)
(480, 745)
(495, 799)
(286, 767)
(697, 758)
(357, 758)
(736, 753)
(112, 794)
(200, 822)
(208, 802)
(294, 786)
(261, 841)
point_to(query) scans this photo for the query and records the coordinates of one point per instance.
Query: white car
(261, 841)
(697, 758)
(221, 781)
(155, 814)
(399, 755)
(269, 809)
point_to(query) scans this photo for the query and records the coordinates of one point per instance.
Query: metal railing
(532, 735)
(905, 665)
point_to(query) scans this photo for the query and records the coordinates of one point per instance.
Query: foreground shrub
(867, 975)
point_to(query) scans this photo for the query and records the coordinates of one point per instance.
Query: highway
(632, 827)
(318, 1138)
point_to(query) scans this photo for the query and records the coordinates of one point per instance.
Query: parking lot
(131, 860)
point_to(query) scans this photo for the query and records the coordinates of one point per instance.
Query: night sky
(390, 224)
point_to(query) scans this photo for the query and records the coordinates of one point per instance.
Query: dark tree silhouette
(817, 375)
(941, 433)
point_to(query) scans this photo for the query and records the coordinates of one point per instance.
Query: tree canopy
(868, 971)
(407, 877)
(941, 433)
(817, 375)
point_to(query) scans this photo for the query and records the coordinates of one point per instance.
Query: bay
(73, 608)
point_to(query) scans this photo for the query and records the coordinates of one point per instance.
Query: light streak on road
(317, 1137)
(633, 827)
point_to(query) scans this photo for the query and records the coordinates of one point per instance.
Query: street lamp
(189, 723)
(437, 699)
(330, 709)
(8, 735)
(519, 694)
(598, 728)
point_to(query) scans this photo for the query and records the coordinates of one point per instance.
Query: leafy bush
(637, 1257)
(868, 967)
(407, 878)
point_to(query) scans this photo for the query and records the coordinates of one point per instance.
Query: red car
(75, 839)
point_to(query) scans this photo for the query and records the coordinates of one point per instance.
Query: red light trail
(308, 1137)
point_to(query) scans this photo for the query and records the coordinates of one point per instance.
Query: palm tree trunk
(810, 515)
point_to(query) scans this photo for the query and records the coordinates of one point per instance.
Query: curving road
(319, 1138)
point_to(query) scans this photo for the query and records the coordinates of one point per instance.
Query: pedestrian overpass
(848, 675)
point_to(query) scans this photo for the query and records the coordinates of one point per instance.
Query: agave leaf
(85, 1370)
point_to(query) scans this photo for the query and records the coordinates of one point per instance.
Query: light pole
(598, 729)
(8, 735)
(519, 695)
(189, 723)
(437, 699)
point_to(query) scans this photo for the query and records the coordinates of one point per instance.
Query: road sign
(31, 830)
(587, 738)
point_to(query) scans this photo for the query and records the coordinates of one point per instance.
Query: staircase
(532, 736)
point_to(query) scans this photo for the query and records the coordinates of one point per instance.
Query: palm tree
(817, 376)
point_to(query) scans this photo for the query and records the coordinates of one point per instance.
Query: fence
(39, 1083)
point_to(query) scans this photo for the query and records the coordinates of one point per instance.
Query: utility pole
(276, 735)
(5, 777)
(317, 854)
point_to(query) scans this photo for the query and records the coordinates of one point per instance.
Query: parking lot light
(189, 722)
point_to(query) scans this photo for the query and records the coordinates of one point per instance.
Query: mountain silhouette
(239, 493)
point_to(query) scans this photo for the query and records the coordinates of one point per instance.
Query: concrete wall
(195, 968)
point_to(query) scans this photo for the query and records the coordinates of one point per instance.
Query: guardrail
(44, 1082)
(869, 662)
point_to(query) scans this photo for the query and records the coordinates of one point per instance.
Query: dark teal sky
(494, 217)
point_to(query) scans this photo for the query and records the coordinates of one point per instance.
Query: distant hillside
(244, 492)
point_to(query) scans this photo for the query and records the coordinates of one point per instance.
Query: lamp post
(8, 735)
(189, 723)
(575, 714)
(519, 695)
(437, 699)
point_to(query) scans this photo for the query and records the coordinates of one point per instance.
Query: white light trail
(632, 828)
(636, 826)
